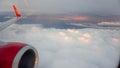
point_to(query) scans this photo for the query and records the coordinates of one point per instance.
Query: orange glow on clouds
(87, 35)
(34, 28)
(82, 39)
(73, 31)
(85, 38)
(117, 40)
(79, 18)
(64, 36)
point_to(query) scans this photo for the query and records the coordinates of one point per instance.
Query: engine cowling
(18, 55)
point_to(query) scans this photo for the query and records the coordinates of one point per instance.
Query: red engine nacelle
(17, 55)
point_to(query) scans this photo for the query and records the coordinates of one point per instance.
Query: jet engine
(18, 55)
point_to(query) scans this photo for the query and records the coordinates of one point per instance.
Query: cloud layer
(68, 48)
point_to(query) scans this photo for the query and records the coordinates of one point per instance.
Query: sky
(110, 7)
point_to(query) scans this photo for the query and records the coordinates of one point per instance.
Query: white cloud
(72, 48)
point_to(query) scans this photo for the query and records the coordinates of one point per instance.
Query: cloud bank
(68, 48)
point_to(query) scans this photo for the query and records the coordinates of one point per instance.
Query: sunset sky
(64, 6)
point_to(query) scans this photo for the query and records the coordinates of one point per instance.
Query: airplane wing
(5, 24)
(15, 54)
